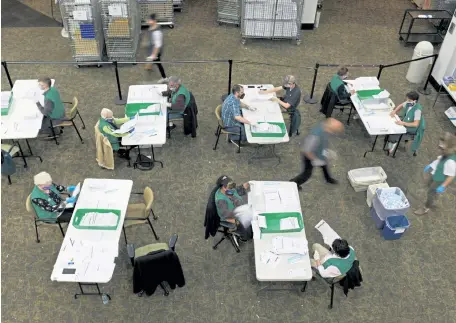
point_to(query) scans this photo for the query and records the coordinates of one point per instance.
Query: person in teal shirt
(337, 85)
(179, 98)
(227, 198)
(108, 124)
(413, 121)
(47, 199)
(442, 172)
(53, 108)
(334, 263)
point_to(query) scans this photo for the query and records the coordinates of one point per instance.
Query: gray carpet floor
(408, 280)
(17, 14)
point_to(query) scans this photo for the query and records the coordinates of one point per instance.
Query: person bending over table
(443, 171)
(47, 200)
(53, 106)
(179, 99)
(334, 263)
(232, 115)
(227, 198)
(107, 125)
(413, 122)
(290, 101)
(314, 151)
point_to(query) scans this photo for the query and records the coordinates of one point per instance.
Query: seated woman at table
(107, 125)
(227, 198)
(47, 200)
(334, 263)
(413, 122)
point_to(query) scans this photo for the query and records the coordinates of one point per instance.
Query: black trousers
(307, 172)
(65, 217)
(160, 66)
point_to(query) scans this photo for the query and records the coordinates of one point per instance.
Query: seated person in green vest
(337, 84)
(413, 122)
(443, 172)
(227, 198)
(53, 106)
(334, 263)
(47, 200)
(179, 99)
(108, 124)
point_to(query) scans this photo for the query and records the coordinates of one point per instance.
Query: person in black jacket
(157, 267)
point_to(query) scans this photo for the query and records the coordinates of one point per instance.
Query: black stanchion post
(310, 98)
(380, 70)
(424, 90)
(119, 100)
(230, 73)
(5, 67)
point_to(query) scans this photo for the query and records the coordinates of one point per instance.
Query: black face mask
(242, 96)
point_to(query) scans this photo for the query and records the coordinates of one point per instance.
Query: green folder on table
(5, 110)
(132, 108)
(80, 213)
(367, 94)
(269, 134)
(273, 222)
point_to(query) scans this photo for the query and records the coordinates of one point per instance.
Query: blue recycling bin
(379, 222)
(395, 226)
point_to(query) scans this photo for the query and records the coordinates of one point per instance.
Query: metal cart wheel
(171, 26)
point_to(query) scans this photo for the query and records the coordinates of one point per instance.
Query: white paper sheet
(115, 10)
(94, 219)
(266, 128)
(364, 83)
(262, 221)
(297, 272)
(127, 126)
(329, 235)
(256, 230)
(270, 259)
(286, 245)
(79, 15)
(289, 223)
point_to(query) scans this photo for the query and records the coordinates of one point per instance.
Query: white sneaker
(356, 116)
(392, 148)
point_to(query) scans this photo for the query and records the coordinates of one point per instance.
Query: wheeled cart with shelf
(163, 9)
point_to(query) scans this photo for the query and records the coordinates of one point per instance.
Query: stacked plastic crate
(84, 28)
(121, 26)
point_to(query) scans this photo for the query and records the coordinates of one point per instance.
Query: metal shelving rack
(178, 5)
(271, 19)
(164, 9)
(84, 29)
(121, 26)
(229, 12)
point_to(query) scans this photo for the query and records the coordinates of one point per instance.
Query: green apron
(37, 193)
(343, 265)
(220, 196)
(59, 109)
(319, 132)
(335, 83)
(417, 131)
(182, 91)
(113, 140)
(439, 176)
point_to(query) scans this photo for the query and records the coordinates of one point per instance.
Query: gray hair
(236, 88)
(175, 80)
(45, 80)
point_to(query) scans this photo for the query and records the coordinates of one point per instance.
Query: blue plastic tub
(379, 222)
(395, 226)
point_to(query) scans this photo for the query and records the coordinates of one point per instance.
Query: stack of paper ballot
(289, 223)
(281, 245)
(266, 128)
(153, 108)
(382, 95)
(95, 219)
(269, 258)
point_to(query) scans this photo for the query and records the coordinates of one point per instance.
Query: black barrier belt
(349, 65)
(405, 62)
(59, 63)
(271, 64)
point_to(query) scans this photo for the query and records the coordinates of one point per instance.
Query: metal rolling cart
(122, 26)
(85, 30)
(163, 9)
(271, 19)
(229, 12)
(178, 5)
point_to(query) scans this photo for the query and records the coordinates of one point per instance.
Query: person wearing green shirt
(334, 263)
(47, 199)
(442, 171)
(337, 85)
(227, 198)
(108, 124)
(413, 121)
(53, 108)
(179, 98)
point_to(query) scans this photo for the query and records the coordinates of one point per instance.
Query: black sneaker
(299, 188)
(332, 181)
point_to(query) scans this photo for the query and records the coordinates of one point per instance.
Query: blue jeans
(235, 129)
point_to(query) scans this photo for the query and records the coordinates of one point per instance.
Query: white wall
(446, 62)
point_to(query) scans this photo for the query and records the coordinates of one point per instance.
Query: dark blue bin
(379, 222)
(395, 226)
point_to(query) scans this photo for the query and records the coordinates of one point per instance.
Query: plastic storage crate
(395, 226)
(361, 178)
(371, 192)
(379, 222)
(385, 211)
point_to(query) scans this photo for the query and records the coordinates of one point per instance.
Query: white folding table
(266, 111)
(146, 123)
(74, 263)
(451, 111)
(24, 119)
(371, 117)
(283, 271)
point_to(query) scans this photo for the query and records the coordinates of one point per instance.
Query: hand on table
(401, 123)
(246, 185)
(70, 200)
(274, 99)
